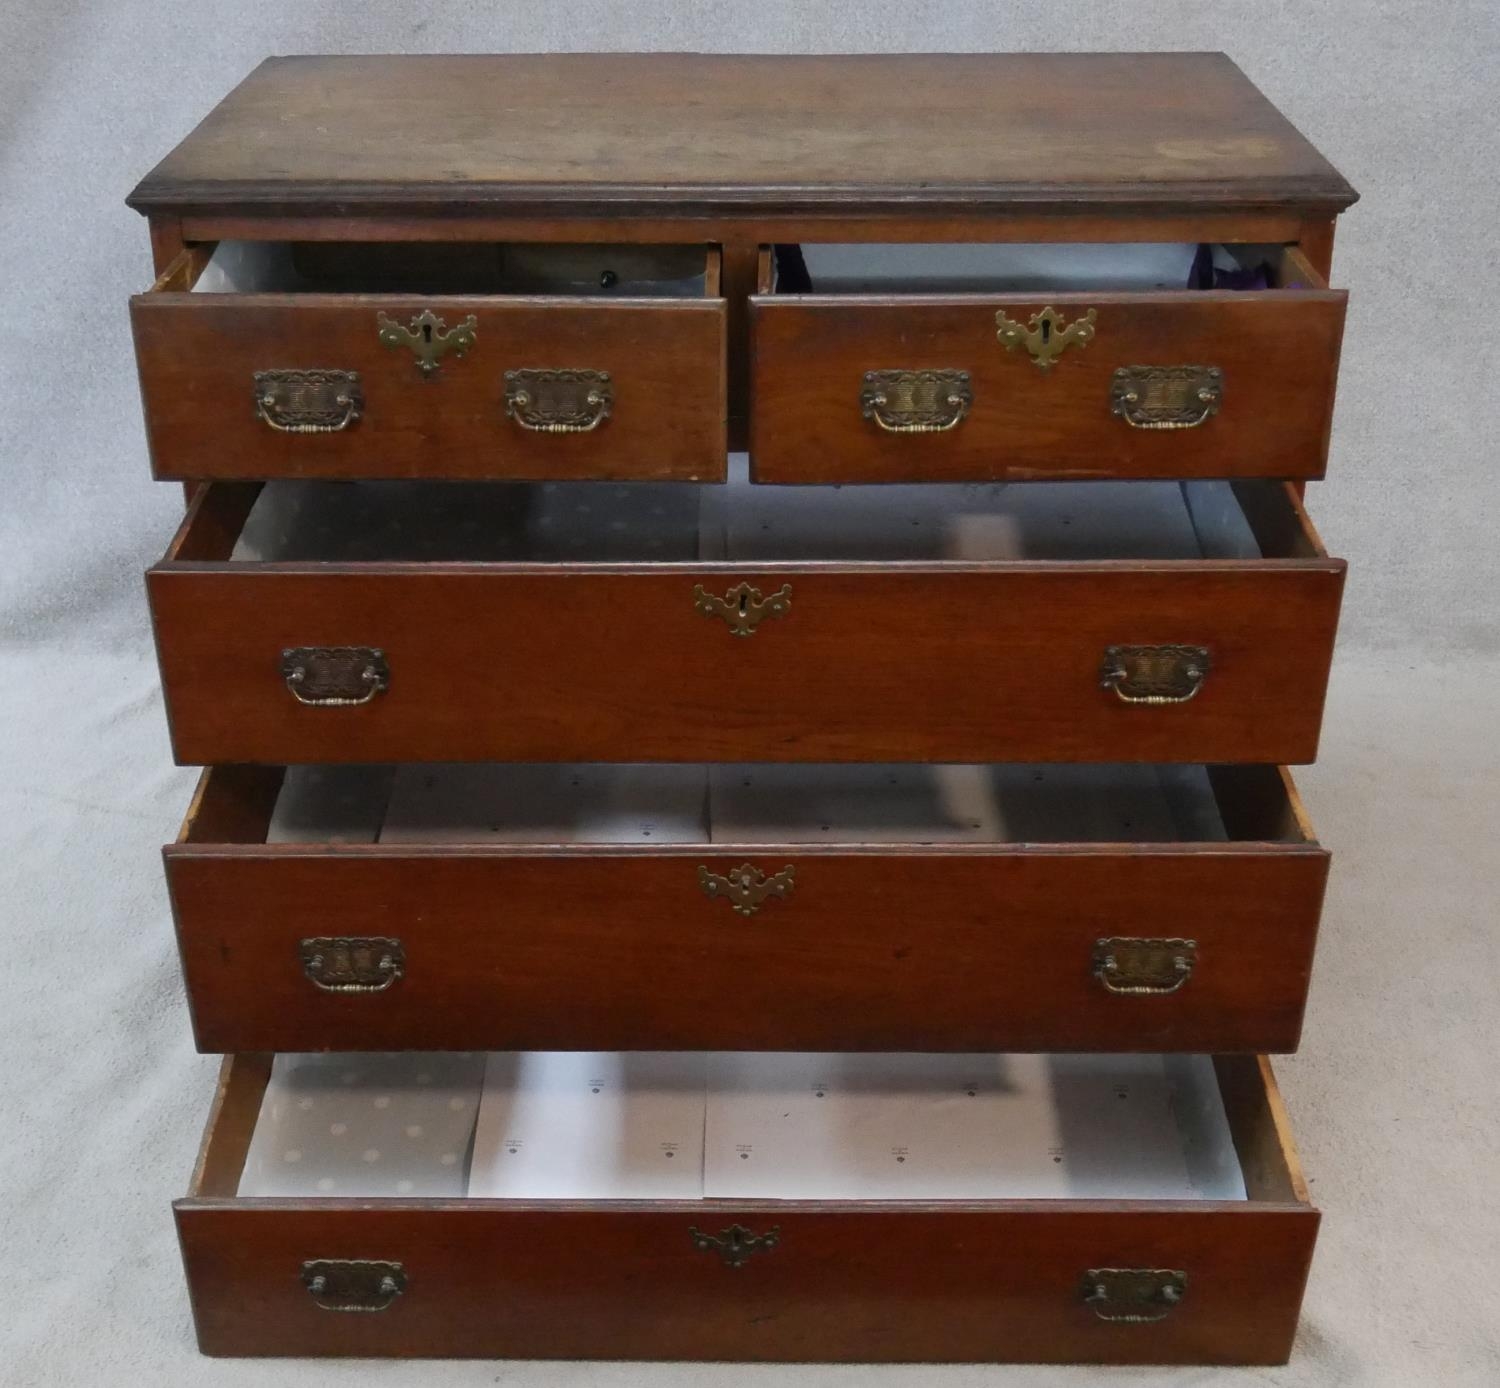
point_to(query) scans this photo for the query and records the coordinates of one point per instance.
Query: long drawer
(274, 360)
(1122, 1280)
(799, 908)
(890, 380)
(832, 626)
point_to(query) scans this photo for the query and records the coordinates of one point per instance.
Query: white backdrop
(100, 1093)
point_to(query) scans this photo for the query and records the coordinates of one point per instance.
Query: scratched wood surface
(714, 133)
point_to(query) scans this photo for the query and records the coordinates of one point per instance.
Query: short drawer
(262, 359)
(1127, 1280)
(874, 367)
(1119, 908)
(388, 622)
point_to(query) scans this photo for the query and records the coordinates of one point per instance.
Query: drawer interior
(659, 805)
(1022, 268)
(584, 522)
(732, 1126)
(460, 267)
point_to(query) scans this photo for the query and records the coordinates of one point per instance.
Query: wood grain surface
(701, 133)
(876, 663)
(198, 354)
(1277, 350)
(598, 948)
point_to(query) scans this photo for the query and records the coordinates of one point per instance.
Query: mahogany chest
(719, 554)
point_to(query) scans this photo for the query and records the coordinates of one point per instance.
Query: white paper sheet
(959, 804)
(589, 1125)
(1213, 1163)
(973, 522)
(1118, 1137)
(853, 269)
(490, 522)
(372, 1124)
(492, 803)
(954, 1127)
(330, 804)
(877, 1127)
(736, 1125)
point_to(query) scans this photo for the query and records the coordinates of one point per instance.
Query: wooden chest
(742, 554)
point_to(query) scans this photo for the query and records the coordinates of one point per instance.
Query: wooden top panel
(700, 134)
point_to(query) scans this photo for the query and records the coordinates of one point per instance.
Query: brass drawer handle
(353, 1284)
(1133, 1295)
(308, 402)
(736, 1244)
(1166, 397)
(564, 401)
(352, 964)
(746, 887)
(334, 676)
(916, 402)
(1155, 674)
(743, 608)
(1141, 966)
(428, 336)
(1046, 335)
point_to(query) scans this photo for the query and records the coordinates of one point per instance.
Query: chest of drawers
(727, 554)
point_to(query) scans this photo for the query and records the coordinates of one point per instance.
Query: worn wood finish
(986, 1280)
(749, 226)
(541, 945)
(741, 260)
(1261, 1130)
(231, 1122)
(182, 271)
(1316, 242)
(529, 132)
(167, 240)
(198, 354)
(599, 662)
(1278, 350)
(495, 937)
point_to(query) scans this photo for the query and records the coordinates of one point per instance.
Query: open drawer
(1184, 1237)
(270, 359)
(393, 622)
(980, 363)
(1058, 908)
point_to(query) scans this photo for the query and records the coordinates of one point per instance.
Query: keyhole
(1046, 331)
(426, 332)
(744, 603)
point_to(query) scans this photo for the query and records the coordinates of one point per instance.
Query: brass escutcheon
(352, 964)
(916, 402)
(1166, 397)
(1133, 1295)
(1044, 334)
(1130, 965)
(563, 401)
(315, 401)
(353, 1284)
(743, 608)
(1154, 674)
(334, 676)
(736, 1244)
(746, 887)
(428, 337)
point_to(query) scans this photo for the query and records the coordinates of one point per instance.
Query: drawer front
(1011, 663)
(857, 1284)
(1187, 384)
(1123, 947)
(313, 386)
